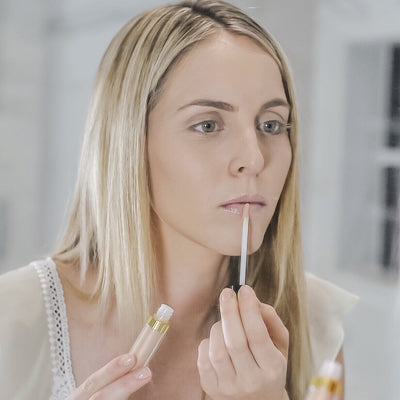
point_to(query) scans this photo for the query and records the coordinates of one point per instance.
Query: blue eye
(273, 127)
(206, 126)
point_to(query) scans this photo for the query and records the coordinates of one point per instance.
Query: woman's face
(216, 140)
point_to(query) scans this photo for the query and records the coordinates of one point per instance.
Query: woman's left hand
(245, 357)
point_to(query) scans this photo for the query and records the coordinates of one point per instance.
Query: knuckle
(88, 385)
(250, 386)
(237, 348)
(125, 385)
(203, 362)
(216, 328)
(217, 357)
(285, 334)
(281, 360)
(203, 346)
(211, 391)
(202, 365)
(271, 310)
(209, 386)
(283, 366)
(259, 381)
(97, 396)
(278, 373)
(274, 375)
(228, 390)
(110, 367)
(255, 336)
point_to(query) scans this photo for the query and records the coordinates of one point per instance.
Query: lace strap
(53, 295)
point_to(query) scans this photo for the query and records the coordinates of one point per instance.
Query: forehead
(226, 67)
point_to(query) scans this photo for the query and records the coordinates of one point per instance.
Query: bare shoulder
(70, 277)
(24, 340)
(19, 287)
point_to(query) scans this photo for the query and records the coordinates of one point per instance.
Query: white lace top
(35, 360)
(53, 296)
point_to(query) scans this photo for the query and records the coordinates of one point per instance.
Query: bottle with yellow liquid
(151, 336)
(327, 384)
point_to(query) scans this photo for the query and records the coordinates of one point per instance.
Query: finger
(123, 387)
(259, 340)
(208, 376)
(276, 328)
(256, 317)
(234, 334)
(219, 357)
(113, 370)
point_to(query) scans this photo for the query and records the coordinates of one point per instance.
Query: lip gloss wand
(243, 255)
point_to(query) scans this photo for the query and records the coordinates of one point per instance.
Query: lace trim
(53, 294)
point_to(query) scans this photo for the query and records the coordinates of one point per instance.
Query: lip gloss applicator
(243, 254)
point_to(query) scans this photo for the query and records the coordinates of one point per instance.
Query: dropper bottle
(151, 336)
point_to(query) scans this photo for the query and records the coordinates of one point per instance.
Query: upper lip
(251, 199)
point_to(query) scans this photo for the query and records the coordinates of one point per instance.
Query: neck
(191, 276)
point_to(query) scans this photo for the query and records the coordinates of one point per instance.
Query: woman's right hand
(117, 380)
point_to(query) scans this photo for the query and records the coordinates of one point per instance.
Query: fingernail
(143, 373)
(126, 360)
(246, 290)
(227, 294)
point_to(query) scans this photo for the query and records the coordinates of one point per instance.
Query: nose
(248, 157)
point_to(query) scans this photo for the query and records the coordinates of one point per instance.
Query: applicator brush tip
(246, 210)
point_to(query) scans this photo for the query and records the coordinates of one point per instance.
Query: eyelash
(280, 126)
(202, 123)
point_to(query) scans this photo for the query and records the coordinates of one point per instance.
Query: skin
(195, 166)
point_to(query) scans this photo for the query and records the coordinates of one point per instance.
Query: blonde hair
(110, 227)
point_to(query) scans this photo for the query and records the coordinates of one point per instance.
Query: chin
(235, 248)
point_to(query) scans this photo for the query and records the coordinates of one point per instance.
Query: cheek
(163, 175)
(281, 165)
(160, 165)
(287, 160)
(178, 177)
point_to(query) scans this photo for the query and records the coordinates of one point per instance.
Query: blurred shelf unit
(389, 160)
(371, 158)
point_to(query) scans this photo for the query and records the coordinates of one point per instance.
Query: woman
(192, 116)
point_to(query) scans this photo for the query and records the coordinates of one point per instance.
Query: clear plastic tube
(326, 386)
(151, 336)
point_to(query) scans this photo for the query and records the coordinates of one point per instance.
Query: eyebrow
(229, 107)
(275, 103)
(210, 103)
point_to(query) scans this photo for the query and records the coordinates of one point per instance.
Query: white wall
(350, 35)
(22, 88)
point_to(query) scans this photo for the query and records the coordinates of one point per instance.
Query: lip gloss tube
(151, 336)
(326, 386)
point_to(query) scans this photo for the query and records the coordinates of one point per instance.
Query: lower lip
(237, 208)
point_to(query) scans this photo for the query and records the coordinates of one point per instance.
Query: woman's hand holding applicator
(245, 356)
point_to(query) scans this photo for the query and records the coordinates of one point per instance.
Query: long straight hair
(110, 226)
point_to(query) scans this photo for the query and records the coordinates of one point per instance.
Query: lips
(236, 205)
(252, 200)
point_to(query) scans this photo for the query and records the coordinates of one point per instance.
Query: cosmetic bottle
(151, 336)
(326, 386)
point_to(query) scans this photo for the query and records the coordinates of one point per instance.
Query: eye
(208, 126)
(273, 127)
